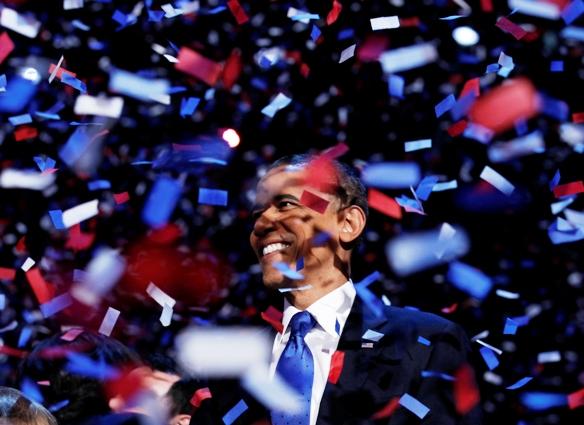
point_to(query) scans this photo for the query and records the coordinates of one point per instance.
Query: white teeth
(274, 247)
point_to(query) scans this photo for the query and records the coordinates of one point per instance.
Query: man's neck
(302, 299)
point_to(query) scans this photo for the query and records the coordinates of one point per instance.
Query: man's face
(284, 227)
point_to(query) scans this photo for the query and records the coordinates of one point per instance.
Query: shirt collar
(328, 310)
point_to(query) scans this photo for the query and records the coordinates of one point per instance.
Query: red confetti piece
(471, 86)
(466, 393)
(72, 334)
(24, 133)
(232, 69)
(511, 27)
(450, 309)
(576, 399)
(314, 202)
(336, 151)
(61, 71)
(79, 241)
(568, 189)
(304, 70)
(7, 274)
(9, 351)
(502, 107)
(121, 198)
(333, 15)
(44, 383)
(384, 204)
(487, 5)
(274, 317)
(6, 46)
(372, 48)
(40, 287)
(200, 395)
(409, 22)
(21, 245)
(578, 117)
(165, 235)
(387, 410)
(238, 11)
(337, 362)
(198, 66)
(457, 128)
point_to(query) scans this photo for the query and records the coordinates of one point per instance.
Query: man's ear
(182, 419)
(352, 224)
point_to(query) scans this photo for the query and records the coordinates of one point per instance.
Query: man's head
(308, 209)
(16, 409)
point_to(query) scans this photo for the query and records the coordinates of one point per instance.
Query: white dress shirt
(331, 313)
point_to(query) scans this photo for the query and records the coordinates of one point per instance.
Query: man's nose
(265, 223)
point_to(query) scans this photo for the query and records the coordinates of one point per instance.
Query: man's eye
(285, 204)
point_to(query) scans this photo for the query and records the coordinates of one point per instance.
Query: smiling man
(310, 213)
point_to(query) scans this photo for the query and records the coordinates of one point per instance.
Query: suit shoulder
(420, 320)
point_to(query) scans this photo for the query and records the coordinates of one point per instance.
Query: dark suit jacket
(375, 373)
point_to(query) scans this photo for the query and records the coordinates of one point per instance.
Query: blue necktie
(296, 367)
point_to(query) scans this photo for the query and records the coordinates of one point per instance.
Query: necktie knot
(301, 323)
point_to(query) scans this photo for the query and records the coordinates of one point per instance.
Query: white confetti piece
(279, 102)
(109, 321)
(99, 106)
(409, 57)
(384, 23)
(549, 357)
(23, 24)
(20, 179)
(166, 315)
(372, 335)
(158, 295)
(72, 4)
(506, 294)
(415, 145)
(497, 180)
(209, 351)
(56, 70)
(489, 346)
(348, 53)
(80, 213)
(28, 263)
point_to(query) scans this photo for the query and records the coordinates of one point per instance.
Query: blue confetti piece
(463, 105)
(406, 202)
(99, 185)
(521, 320)
(47, 115)
(83, 365)
(424, 341)
(375, 305)
(216, 10)
(337, 327)
(57, 219)
(559, 236)
(320, 239)
(444, 105)
(396, 86)
(493, 67)
(76, 83)
(57, 107)
(489, 357)
(161, 202)
(177, 89)
(155, 15)
(123, 19)
(21, 92)
(467, 58)
(521, 127)
(538, 401)
(557, 66)
(40, 162)
(212, 197)
(368, 280)
(555, 108)
(425, 187)
(300, 264)
(55, 305)
(31, 390)
(80, 25)
(3, 82)
(469, 279)
(510, 327)
(555, 180)
(76, 145)
(188, 106)
(413, 405)
(415, 145)
(315, 33)
(24, 336)
(575, 33)
(58, 405)
(391, 175)
(433, 374)
(572, 11)
(20, 119)
(345, 34)
(235, 412)
(520, 383)
(304, 16)
(287, 271)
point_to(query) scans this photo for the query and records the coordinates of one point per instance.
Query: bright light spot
(231, 137)
(465, 36)
(30, 74)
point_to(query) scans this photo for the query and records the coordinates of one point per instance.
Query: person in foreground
(352, 361)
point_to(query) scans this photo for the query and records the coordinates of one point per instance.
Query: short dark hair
(179, 396)
(19, 410)
(348, 188)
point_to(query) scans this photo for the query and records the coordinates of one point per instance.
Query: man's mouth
(274, 247)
